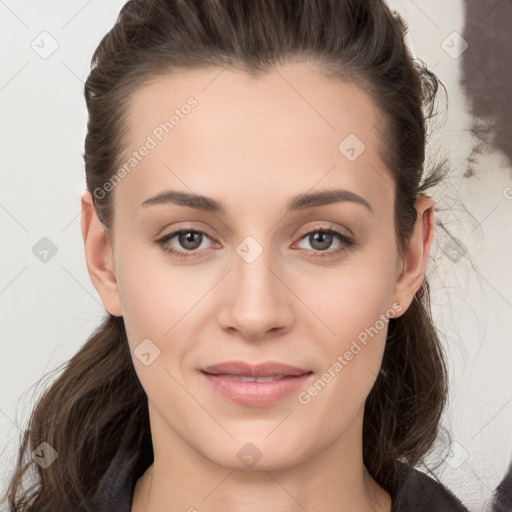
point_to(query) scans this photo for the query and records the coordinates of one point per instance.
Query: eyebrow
(296, 203)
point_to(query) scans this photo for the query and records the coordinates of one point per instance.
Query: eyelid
(163, 241)
(300, 234)
(347, 240)
(322, 226)
(177, 231)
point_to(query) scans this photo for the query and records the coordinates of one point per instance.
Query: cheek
(155, 294)
(155, 304)
(358, 324)
(350, 298)
(354, 309)
(351, 355)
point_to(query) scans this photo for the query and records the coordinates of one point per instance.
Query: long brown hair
(97, 405)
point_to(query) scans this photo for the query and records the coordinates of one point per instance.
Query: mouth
(247, 378)
(255, 385)
(271, 369)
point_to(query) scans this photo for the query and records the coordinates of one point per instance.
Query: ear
(99, 257)
(415, 254)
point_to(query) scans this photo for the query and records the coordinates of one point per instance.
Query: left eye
(188, 238)
(319, 239)
(322, 239)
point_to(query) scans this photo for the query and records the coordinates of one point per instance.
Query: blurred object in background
(486, 72)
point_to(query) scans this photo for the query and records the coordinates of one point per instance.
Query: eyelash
(347, 242)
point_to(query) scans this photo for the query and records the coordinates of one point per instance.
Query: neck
(181, 479)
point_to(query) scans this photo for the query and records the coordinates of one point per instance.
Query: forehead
(290, 127)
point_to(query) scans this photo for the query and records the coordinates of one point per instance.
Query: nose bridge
(255, 284)
(258, 301)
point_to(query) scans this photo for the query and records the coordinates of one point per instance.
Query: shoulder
(116, 487)
(114, 492)
(502, 497)
(418, 492)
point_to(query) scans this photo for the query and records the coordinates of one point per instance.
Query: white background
(49, 309)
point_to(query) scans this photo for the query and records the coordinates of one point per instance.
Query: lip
(268, 369)
(256, 394)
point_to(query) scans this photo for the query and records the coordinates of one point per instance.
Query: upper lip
(268, 369)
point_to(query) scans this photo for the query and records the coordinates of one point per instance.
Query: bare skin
(253, 144)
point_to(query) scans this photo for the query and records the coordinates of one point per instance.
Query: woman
(257, 226)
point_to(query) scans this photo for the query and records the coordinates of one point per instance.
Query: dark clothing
(502, 499)
(416, 492)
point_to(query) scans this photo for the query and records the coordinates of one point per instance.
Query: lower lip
(256, 394)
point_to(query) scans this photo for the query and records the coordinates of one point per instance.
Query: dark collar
(416, 492)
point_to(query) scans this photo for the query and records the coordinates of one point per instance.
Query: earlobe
(99, 257)
(415, 254)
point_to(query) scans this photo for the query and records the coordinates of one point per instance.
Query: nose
(257, 298)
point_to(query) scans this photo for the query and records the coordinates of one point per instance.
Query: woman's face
(263, 279)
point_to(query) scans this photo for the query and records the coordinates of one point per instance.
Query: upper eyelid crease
(296, 203)
(347, 240)
(302, 234)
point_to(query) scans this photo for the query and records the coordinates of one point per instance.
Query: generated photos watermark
(357, 345)
(157, 135)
